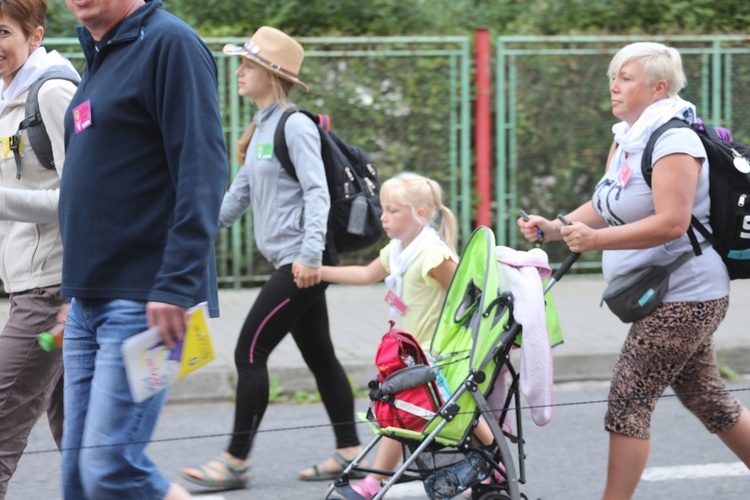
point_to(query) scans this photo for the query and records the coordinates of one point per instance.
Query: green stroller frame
(472, 343)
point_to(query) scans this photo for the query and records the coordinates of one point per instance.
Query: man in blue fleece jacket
(145, 173)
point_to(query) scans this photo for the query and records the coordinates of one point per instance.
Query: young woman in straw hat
(290, 221)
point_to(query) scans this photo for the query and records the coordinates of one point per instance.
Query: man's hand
(169, 318)
(305, 276)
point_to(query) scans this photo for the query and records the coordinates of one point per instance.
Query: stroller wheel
(498, 495)
(494, 495)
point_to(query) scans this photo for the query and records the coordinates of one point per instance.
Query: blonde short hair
(658, 61)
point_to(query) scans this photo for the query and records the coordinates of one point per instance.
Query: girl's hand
(579, 237)
(305, 276)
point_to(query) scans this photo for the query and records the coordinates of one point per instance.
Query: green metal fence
(404, 100)
(553, 116)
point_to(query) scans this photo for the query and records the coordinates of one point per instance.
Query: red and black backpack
(404, 393)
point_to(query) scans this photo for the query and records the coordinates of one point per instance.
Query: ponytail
(449, 228)
(241, 150)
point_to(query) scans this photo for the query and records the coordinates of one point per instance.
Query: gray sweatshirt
(290, 218)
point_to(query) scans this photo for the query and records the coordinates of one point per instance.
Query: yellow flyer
(198, 345)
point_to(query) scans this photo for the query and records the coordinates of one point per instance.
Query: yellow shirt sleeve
(422, 294)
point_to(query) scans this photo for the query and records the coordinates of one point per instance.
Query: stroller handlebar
(564, 268)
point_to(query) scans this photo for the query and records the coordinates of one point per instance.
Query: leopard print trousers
(673, 346)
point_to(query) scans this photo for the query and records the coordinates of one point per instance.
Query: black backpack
(729, 179)
(34, 126)
(353, 184)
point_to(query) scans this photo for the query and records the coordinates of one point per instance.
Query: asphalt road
(566, 459)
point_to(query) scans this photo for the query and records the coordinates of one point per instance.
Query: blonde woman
(637, 225)
(290, 220)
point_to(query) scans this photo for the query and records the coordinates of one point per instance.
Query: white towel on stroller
(522, 274)
(402, 258)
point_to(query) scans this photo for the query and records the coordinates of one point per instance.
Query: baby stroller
(472, 343)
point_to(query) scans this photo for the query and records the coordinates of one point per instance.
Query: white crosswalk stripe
(407, 490)
(702, 471)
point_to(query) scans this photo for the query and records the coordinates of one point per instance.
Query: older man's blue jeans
(105, 433)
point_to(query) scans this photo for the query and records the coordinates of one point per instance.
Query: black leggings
(281, 307)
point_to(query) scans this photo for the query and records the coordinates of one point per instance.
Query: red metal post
(483, 127)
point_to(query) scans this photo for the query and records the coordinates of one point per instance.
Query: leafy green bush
(460, 17)
(446, 17)
(59, 21)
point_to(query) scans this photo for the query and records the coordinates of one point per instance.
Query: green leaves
(446, 17)
(59, 21)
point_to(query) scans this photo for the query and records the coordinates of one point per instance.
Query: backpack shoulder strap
(280, 146)
(686, 257)
(32, 122)
(648, 151)
(647, 169)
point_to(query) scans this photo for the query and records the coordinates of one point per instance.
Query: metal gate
(554, 118)
(404, 100)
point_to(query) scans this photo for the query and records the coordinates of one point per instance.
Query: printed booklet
(152, 367)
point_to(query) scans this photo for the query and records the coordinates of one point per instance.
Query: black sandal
(346, 492)
(225, 475)
(342, 461)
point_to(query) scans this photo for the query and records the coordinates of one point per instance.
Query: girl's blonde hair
(281, 89)
(415, 191)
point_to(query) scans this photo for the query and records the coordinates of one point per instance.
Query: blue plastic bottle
(445, 393)
(454, 479)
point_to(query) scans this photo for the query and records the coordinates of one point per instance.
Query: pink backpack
(404, 393)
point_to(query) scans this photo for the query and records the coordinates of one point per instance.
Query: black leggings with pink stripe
(280, 308)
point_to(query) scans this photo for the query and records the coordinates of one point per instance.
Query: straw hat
(274, 50)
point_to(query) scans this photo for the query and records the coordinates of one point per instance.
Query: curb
(217, 383)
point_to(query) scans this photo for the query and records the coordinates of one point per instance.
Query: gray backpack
(34, 126)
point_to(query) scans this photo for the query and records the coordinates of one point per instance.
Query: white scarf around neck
(401, 258)
(39, 62)
(634, 139)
